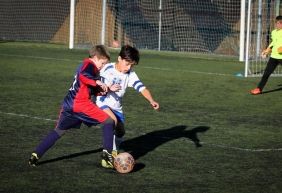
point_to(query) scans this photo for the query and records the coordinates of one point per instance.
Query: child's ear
(119, 59)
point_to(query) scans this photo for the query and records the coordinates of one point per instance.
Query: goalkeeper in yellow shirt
(275, 51)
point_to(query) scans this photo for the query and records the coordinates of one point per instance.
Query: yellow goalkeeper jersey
(276, 36)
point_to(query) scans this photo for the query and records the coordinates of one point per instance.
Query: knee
(109, 120)
(60, 132)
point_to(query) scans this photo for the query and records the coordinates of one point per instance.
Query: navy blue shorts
(70, 119)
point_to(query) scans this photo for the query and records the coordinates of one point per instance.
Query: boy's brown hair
(129, 54)
(99, 51)
(279, 18)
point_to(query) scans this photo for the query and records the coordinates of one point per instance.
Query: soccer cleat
(256, 91)
(33, 160)
(107, 160)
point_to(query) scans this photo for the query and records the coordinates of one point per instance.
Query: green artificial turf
(209, 136)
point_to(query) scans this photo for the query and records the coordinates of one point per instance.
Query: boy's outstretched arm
(147, 94)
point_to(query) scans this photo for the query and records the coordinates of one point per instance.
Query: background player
(77, 107)
(275, 48)
(118, 76)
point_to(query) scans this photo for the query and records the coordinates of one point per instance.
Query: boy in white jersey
(118, 76)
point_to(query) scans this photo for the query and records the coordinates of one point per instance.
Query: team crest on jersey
(116, 81)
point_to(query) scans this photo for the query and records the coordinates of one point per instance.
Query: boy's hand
(114, 87)
(155, 105)
(266, 52)
(103, 86)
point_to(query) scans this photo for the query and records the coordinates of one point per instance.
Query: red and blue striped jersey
(79, 93)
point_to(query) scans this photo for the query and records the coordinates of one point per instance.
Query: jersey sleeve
(135, 82)
(88, 74)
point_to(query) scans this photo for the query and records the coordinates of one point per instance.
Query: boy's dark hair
(279, 18)
(100, 51)
(129, 54)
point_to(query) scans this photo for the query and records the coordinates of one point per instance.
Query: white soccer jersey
(110, 75)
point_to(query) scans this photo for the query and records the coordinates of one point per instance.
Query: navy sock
(108, 133)
(47, 143)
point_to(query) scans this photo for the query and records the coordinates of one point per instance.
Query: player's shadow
(140, 146)
(273, 90)
(70, 156)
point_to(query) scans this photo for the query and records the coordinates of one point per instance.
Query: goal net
(260, 22)
(34, 20)
(199, 26)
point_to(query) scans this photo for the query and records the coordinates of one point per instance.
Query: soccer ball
(124, 162)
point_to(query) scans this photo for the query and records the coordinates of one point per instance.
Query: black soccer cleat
(33, 160)
(107, 160)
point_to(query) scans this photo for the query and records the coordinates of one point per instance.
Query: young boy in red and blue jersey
(77, 107)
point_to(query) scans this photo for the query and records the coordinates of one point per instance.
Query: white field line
(191, 71)
(209, 144)
(36, 57)
(28, 116)
(243, 149)
(147, 67)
